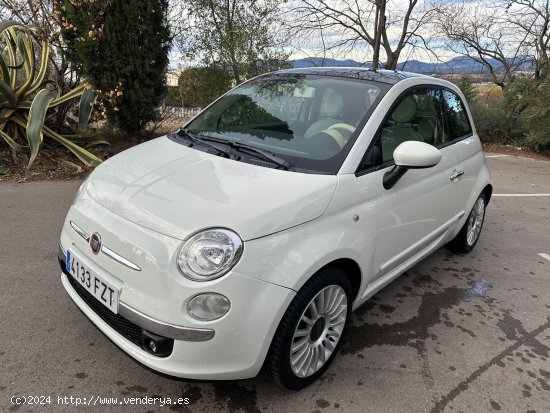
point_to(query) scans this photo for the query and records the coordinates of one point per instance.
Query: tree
(386, 26)
(483, 33)
(201, 85)
(242, 36)
(505, 36)
(532, 18)
(467, 87)
(122, 48)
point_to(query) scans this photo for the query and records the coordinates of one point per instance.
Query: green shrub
(518, 116)
(201, 85)
(495, 123)
(529, 98)
(173, 97)
(467, 87)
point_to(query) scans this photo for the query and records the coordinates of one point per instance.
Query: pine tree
(121, 47)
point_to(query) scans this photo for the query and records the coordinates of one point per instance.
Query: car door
(462, 136)
(416, 213)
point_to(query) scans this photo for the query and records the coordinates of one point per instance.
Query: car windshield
(309, 121)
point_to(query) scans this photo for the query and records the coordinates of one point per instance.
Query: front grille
(122, 326)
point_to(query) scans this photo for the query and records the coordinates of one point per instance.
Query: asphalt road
(456, 333)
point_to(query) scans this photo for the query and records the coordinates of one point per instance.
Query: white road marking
(545, 256)
(495, 156)
(518, 195)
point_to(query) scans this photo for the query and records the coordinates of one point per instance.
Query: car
(245, 239)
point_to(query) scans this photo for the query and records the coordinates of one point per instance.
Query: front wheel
(309, 334)
(467, 238)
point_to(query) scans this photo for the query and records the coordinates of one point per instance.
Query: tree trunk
(391, 63)
(380, 25)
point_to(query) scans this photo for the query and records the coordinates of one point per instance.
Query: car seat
(332, 104)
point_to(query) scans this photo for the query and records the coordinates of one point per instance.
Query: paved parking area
(456, 333)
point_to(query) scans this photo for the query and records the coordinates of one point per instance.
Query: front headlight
(209, 254)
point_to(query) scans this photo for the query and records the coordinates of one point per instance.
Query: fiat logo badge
(95, 243)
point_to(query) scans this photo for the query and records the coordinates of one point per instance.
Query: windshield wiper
(270, 156)
(206, 140)
(200, 139)
(267, 155)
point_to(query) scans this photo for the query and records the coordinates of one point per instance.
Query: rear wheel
(309, 334)
(468, 236)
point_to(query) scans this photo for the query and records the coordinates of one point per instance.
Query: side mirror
(411, 155)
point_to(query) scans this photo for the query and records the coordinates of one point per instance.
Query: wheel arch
(350, 267)
(488, 191)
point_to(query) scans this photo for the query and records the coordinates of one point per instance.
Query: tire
(467, 238)
(318, 341)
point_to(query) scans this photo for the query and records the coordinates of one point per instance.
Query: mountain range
(458, 64)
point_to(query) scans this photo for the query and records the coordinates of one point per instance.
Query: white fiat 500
(248, 237)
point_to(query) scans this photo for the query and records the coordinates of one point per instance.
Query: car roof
(385, 76)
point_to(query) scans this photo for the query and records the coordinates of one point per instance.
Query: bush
(493, 118)
(495, 123)
(201, 85)
(173, 97)
(530, 99)
(467, 87)
(519, 115)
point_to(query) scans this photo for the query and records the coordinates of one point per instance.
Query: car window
(417, 117)
(245, 112)
(308, 120)
(455, 114)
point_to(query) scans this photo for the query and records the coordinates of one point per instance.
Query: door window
(455, 114)
(417, 117)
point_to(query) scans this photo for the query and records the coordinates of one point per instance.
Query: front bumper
(130, 318)
(154, 300)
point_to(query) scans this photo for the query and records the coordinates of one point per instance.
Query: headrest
(332, 104)
(405, 111)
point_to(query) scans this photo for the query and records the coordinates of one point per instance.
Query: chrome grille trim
(80, 231)
(105, 250)
(121, 260)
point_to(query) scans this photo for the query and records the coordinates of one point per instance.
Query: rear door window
(458, 124)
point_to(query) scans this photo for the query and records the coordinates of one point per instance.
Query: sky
(311, 46)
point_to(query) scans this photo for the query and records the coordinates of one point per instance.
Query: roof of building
(385, 76)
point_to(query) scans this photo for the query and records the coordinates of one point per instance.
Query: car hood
(176, 190)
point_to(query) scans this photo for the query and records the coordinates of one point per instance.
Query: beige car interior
(414, 119)
(338, 117)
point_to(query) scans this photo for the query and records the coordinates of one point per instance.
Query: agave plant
(26, 96)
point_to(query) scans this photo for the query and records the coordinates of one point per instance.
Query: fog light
(156, 345)
(208, 306)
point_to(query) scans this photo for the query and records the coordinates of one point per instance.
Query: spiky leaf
(35, 121)
(88, 158)
(26, 95)
(85, 110)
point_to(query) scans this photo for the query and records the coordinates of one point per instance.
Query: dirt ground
(55, 163)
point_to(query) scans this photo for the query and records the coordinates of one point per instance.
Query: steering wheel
(340, 132)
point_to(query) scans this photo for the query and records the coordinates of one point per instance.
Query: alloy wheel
(475, 221)
(318, 331)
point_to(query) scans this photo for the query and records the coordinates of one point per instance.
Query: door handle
(455, 175)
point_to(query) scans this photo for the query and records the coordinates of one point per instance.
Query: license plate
(106, 293)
